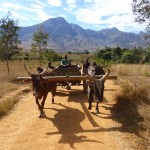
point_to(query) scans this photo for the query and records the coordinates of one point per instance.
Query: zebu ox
(95, 87)
(41, 87)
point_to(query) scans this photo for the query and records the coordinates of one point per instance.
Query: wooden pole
(67, 78)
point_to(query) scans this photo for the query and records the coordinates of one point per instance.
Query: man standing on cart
(86, 64)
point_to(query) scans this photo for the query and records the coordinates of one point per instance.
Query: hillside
(65, 36)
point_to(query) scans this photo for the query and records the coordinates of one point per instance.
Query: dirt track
(68, 124)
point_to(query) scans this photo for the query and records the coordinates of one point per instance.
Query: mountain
(64, 36)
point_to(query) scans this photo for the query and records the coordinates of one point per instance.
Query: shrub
(132, 108)
(7, 104)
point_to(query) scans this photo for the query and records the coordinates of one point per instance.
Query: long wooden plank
(71, 78)
(67, 78)
(23, 78)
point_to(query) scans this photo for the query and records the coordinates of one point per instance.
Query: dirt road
(68, 124)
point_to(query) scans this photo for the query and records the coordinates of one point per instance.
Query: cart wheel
(85, 86)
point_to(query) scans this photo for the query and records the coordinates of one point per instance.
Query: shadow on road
(67, 121)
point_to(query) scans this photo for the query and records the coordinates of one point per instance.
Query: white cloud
(100, 8)
(87, 16)
(36, 6)
(38, 2)
(88, 1)
(18, 16)
(124, 23)
(39, 14)
(71, 3)
(55, 2)
(108, 13)
(11, 5)
(42, 15)
(4, 10)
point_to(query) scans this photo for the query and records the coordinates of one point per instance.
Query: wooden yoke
(67, 78)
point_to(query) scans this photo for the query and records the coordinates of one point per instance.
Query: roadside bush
(7, 104)
(135, 90)
(132, 108)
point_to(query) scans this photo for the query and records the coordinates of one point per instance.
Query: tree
(105, 54)
(146, 57)
(8, 38)
(128, 57)
(116, 54)
(51, 55)
(141, 8)
(86, 51)
(39, 42)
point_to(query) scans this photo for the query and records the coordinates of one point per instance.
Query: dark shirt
(85, 67)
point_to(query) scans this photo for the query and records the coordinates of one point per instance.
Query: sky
(89, 14)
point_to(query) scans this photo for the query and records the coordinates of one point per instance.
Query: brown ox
(41, 87)
(95, 86)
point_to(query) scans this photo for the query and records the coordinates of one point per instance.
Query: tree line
(137, 55)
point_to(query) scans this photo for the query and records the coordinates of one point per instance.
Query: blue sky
(89, 14)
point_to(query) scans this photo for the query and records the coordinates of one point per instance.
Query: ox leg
(53, 98)
(42, 106)
(85, 86)
(90, 99)
(37, 102)
(68, 87)
(53, 92)
(97, 108)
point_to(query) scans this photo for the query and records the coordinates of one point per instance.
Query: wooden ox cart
(69, 76)
(45, 82)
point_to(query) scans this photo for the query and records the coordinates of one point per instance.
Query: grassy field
(132, 101)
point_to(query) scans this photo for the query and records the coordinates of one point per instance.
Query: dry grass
(133, 101)
(135, 90)
(8, 83)
(7, 104)
(7, 87)
(132, 70)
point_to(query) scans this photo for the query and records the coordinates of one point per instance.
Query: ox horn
(44, 71)
(106, 75)
(30, 74)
